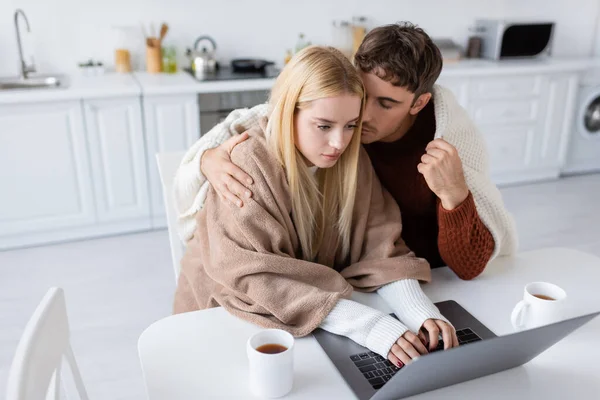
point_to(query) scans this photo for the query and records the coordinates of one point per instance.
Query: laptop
(480, 353)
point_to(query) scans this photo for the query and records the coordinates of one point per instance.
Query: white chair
(167, 166)
(36, 369)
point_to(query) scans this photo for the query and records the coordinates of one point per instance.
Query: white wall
(68, 31)
(596, 41)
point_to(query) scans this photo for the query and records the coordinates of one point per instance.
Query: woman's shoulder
(254, 149)
(256, 158)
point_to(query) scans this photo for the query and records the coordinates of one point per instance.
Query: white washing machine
(583, 153)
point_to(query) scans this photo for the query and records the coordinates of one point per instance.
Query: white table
(201, 355)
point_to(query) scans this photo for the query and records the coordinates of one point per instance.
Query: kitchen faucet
(23, 67)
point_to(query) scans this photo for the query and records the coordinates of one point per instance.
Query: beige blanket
(244, 259)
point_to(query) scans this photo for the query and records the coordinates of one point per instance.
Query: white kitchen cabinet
(80, 162)
(525, 121)
(507, 86)
(44, 172)
(459, 88)
(118, 157)
(510, 149)
(172, 124)
(562, 94)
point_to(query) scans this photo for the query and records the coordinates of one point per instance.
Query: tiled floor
(116, 287)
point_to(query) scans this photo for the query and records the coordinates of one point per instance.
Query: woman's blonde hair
(327, 199)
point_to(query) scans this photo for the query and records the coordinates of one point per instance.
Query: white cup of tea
(543, 303)
(270, 356)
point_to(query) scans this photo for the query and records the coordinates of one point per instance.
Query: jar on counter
(125, 40)
(475, 43)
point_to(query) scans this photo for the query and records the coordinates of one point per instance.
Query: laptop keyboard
(378, 370)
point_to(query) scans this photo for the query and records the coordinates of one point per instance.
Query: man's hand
(432, 329)
(442, 169)
(225, 176)
(406, 348)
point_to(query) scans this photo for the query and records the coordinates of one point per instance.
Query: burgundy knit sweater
(457, 238)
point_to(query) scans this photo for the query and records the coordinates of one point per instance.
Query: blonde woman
(318, 226)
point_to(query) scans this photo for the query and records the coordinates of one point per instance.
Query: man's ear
(420, 103)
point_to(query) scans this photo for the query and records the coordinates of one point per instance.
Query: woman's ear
(420, 103)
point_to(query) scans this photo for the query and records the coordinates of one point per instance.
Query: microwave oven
(502, 39)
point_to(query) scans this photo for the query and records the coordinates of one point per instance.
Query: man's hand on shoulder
(225, 176)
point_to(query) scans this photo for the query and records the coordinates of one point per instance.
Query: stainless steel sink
(31, 82)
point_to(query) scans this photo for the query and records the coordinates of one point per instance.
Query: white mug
(533, 311)
(271, 375)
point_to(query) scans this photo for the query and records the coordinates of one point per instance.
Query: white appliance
(583, 154)
(514, 39)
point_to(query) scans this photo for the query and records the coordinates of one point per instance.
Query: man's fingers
(237, 188)
(416, 342)
(224, 192)
(239, 174)
(400, 353)
(434, 333)
(427, 159)
(421, 168)
(235, 140)
(437, 153)
(233, 199)
(441, 144)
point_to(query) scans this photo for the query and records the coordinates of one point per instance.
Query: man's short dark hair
(402, 54)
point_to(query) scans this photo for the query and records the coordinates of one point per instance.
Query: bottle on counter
(169, 59)
(359, 31)
(288, 56)
(301, 43)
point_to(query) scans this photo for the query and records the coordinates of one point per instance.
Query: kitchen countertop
(138, 83)
(78, 87)
(481, 67)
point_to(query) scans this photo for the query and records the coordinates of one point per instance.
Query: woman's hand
(406, 348)
(411, 346)
(224, 176)
(432, 329)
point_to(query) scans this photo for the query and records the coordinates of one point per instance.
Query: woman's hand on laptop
(433, 328)
(406, 348)
(225, 176)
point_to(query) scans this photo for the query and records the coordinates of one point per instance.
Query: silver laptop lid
(477, 359)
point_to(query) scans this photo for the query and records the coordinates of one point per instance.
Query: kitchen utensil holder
(153, 58)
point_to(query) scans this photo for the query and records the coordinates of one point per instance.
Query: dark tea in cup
(544, 297)
(271, 348)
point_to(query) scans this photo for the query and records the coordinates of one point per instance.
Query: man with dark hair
(423, 146)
